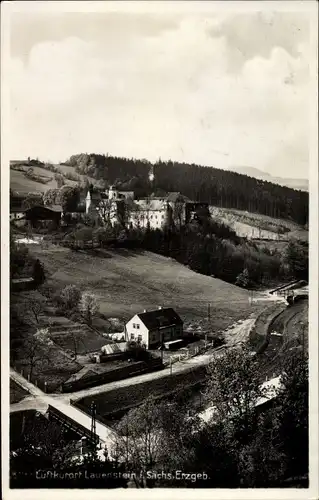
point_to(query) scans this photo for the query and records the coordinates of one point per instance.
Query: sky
(222, 89)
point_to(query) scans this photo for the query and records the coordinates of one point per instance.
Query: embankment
(114, 403)
(260, 333)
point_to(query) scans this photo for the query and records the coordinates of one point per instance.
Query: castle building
(120, 207)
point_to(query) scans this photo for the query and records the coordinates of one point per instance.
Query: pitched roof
(160, 318)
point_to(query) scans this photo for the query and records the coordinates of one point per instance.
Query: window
(134, 325)
(138, 327)
(139, 337)
(151, 217)
(132, 336)
(162, 216)
(155, 216)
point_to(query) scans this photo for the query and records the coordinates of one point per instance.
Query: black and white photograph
(159, 247)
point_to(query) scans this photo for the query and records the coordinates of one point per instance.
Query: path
(40, 401)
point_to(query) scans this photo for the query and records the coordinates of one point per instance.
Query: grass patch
(86, 340)
(17, 393)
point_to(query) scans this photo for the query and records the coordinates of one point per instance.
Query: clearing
(22, 184)
(258, 226)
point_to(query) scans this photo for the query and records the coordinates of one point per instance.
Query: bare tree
(77, 339)
(33, 303)
(107, 210)
(33, 352)
(178, 213)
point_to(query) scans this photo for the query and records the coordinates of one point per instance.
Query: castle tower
(151, 176)
(88, 201)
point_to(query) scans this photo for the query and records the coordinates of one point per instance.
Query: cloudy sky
(222, 89)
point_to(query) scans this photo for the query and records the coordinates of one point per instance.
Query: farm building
(44, 213)
(152, 328)
(16, 214)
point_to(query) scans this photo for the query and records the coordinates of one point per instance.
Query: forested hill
(215, 186)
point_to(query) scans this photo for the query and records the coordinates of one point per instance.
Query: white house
(152, 328)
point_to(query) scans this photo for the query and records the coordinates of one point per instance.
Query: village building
(153, 328)
(40, 213)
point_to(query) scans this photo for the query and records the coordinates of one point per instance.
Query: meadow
(127, 282)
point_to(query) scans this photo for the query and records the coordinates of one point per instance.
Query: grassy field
(19, 182)
(128, 282)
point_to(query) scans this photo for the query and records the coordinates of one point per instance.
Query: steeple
(151, 175)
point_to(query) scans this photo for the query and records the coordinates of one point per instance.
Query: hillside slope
(20, 183)
(258, 226)
(129, 282)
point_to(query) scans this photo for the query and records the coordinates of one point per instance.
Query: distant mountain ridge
(300, 184)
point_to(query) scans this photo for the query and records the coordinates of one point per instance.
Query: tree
(138, 443)
(33, 303)
(51, 197)
(77, 340)
(19, 256)
(178, 213)
(33, 352)
(296, 256)
(233, 388)
(69, 198)
(243, 278)
(59, 180)
(38, 273)
(107, 210)
(31, 200)
(88, 306)
(70, 297)
(293, 413)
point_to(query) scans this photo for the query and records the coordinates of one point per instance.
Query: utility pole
(162, 345)
(93, 427)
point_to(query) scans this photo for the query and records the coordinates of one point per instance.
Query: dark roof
(42, 212)
(160, 318)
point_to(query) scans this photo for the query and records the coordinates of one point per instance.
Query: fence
(113, 375)
(191, 352)
(45, 386)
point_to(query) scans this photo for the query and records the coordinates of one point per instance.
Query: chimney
(144, 311)
(160, 307)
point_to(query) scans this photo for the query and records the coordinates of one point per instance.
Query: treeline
(211, 249)
(215, 186)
